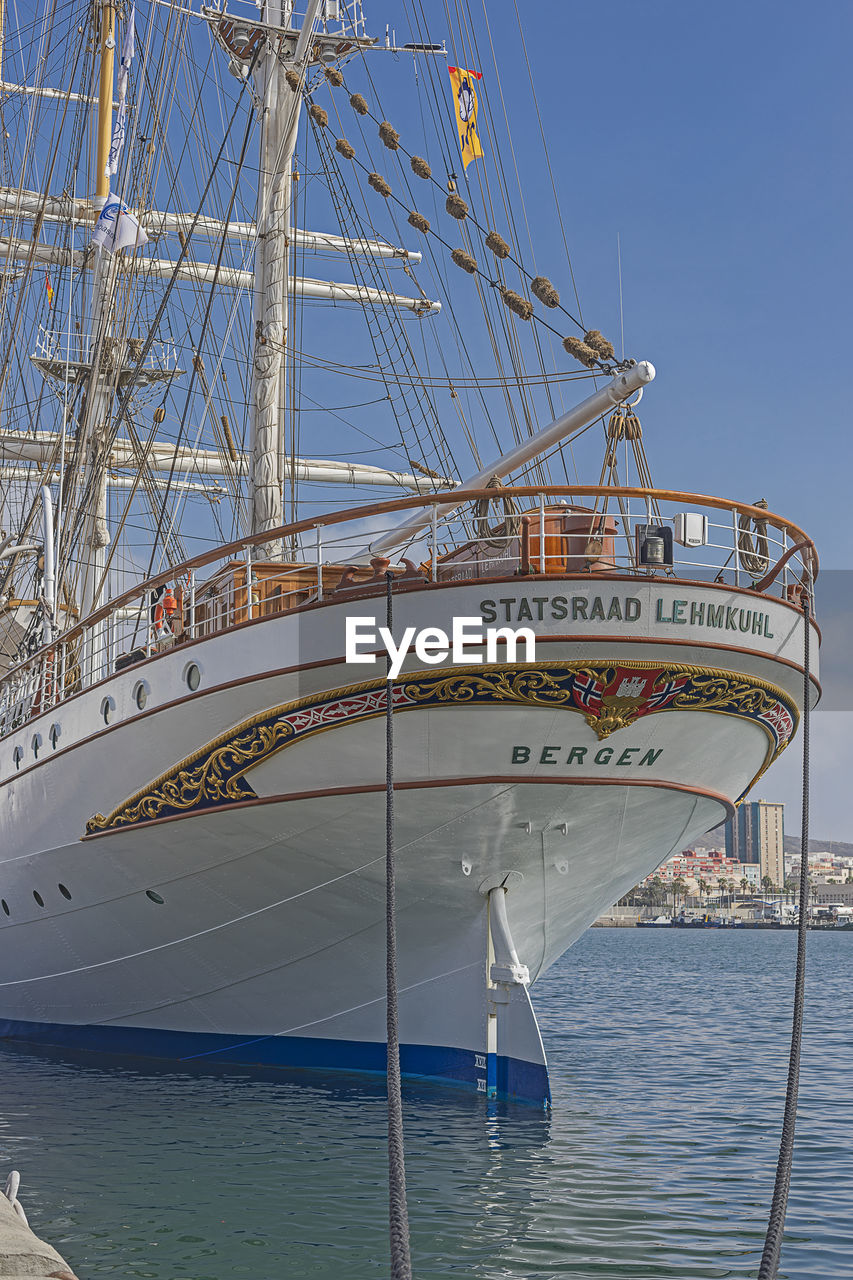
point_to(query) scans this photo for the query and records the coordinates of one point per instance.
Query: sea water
(668, 1054)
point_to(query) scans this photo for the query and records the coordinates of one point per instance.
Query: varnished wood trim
(425, 784)
(458, 498)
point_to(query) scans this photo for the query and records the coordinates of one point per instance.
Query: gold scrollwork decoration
(539, 687)
(610, 696)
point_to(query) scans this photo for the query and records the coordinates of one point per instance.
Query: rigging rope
(143, 482)
(496, 535)
(398, 1213)
(776, 1225)
(436, 266)
(412, 407)
(754, 557)
(509, 204)
(457, 204)
(122, 409)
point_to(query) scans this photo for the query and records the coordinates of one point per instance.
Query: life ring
(164, 611)
(162, 624)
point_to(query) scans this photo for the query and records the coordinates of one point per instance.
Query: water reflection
(668, 1062)
(185, 1168)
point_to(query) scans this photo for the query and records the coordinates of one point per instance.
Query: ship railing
(477, 535)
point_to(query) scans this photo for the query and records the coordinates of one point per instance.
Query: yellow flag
(465, 103)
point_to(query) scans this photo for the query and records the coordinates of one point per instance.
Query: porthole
(4, 904)
(108, 706)
(36, 744)
(140, 694)
(66, 893)
(192, 675)
(39, 899)
(54, 735)
(155, 897)
(17, 756)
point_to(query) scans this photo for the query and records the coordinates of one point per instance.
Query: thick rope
(776, 1224)
(496, 535)
(10, 1191)
(754, 558)
(401, 1261)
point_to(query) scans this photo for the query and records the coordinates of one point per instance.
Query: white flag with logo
(117, 228)
(120, 126)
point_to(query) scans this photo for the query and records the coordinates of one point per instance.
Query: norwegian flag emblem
(663, 696)
(586, 691)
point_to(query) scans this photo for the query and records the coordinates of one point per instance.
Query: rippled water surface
(668, 1055)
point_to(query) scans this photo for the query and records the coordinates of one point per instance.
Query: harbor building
(719, 872)
(756, 834)
(822, 866)
(825, 892)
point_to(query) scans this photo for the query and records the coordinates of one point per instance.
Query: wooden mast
(107, 43)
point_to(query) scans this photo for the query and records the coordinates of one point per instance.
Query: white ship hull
(254, 808)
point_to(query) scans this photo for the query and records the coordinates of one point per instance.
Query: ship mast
(105, 98)
(279, 127)
(93, 427)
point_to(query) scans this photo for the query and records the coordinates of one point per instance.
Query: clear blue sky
(716, 140)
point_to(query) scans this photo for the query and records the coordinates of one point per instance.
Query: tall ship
(227, 439)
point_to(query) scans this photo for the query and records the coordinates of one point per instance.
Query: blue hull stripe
(522, 1081)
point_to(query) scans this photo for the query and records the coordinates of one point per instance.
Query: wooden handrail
(771, 574)
(459, 498)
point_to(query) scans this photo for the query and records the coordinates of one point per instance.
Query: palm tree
(767, 884)
(659, 890)
(744, 885)
(702, 886)
(679, 890)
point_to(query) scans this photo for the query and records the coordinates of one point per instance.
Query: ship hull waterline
(267, 946)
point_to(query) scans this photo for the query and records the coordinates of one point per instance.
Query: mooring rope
(398, 1213)
(10, 1191)
(776, 1224)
